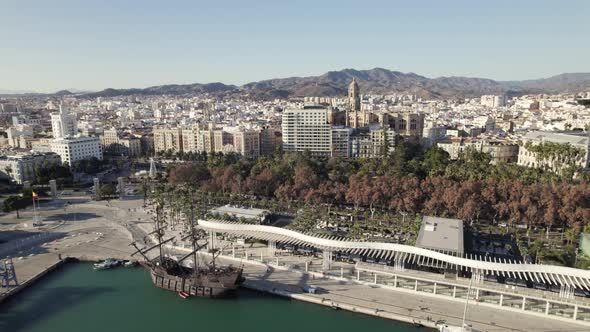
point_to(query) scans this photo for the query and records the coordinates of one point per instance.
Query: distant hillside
(568, 82)
(376, 81)
(171, 89)
(383, 81)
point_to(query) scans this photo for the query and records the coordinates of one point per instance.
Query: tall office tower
(63, 124)
(307, 129)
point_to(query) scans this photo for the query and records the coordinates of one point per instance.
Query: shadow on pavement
(74, 216)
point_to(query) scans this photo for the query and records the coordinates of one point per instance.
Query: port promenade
(90, 230)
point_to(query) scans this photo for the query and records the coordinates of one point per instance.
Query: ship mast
(158, 229)
(193, 236)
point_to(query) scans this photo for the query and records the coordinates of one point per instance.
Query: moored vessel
(200, 280)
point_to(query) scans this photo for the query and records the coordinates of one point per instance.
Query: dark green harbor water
(77, 298)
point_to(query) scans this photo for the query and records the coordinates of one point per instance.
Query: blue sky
(51, 45)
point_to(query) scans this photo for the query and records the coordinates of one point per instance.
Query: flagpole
(34, 210)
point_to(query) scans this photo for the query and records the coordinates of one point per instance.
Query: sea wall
(340, 306)
(5, 296)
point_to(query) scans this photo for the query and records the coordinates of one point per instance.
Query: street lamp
(404, 214)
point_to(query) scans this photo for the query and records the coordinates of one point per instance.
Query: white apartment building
(167, 139)
(493, 101)
(130, 146)
(72, 149)
(247, 143)
(341, 143)
(579, 140)
(370, 143)
(116, 144)
(433, 135)
(18, 135)
(192, 140)
(63, 124)
(500, 150)
(307, 129)
(21, 168)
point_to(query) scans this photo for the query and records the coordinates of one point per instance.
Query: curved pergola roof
(549, 274)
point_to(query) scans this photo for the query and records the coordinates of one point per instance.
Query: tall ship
(202, 280)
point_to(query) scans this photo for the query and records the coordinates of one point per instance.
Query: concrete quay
(84, 230)
(387, 303)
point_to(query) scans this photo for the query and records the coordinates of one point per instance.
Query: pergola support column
(327, 260)
(272, 247)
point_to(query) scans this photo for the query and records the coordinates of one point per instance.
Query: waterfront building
(21, 167)
(257, 216)
(72, 149)
(555, 162)
(500, 150)
(443, 235)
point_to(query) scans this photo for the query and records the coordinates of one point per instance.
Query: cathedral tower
(354, 101)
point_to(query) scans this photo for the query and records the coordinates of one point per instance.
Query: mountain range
(375, 81)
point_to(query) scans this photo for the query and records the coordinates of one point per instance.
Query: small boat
(184, 295)
(130, 264)
(108, 263)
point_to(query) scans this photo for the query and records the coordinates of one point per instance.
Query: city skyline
(128, 45)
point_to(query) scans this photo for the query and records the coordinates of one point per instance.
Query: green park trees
(16, 203)
(106, 191)
(407, 180)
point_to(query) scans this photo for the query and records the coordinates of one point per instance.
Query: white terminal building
(67, 143)
(72, 149)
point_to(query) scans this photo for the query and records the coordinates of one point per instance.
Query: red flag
(35, 196)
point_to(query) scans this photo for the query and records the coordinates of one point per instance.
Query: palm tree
(571, 235)
(9, 170)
